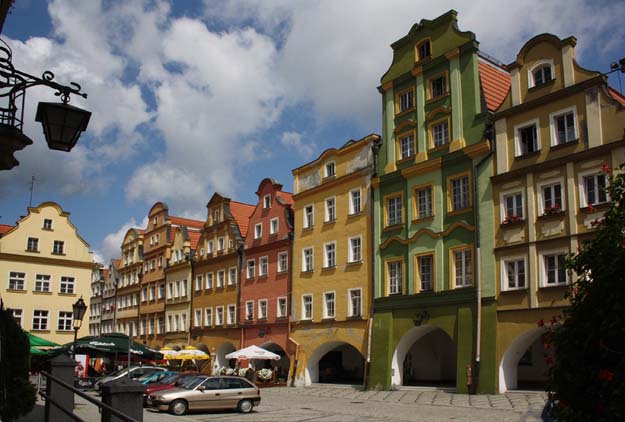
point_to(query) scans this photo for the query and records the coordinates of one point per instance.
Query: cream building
(45, 267)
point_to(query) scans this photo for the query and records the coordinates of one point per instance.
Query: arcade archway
(336, 363)
(523, 364)
(282, 365)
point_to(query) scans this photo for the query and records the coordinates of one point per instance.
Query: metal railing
(50, 379)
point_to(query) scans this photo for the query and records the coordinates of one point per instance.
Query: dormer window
(155, 221)
(47, 224)
(424, 50)
(216, 216)
(540, 73)
(266, 201)
(330, 169)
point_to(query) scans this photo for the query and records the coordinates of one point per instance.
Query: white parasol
(253, 352)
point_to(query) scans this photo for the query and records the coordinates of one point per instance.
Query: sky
(195, 97)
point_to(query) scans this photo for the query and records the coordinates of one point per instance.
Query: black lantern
(62, 124)
(78, 313)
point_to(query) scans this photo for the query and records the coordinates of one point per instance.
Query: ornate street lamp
(78, 313)
(62, 123)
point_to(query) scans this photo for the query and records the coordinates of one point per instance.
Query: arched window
(540, 73)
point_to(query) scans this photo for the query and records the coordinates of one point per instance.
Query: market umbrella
(111, 344)
(38, 341)
(37, 352)
(253, 352)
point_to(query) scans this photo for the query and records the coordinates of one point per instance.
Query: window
(328, 305)
(330, 255)
(393, 210)
(406, 146)
(183, 322)
(251, 265)
(514, 274)
(17, 315)
(67, 285)
(42, 283)
(160, 260)
(440, 134)
(541, 75)
(330, 169)
(17, 280)
(161, 324)
(249, 310)
(219, 315)
(65, 321)
(527, 138)
(161, 290)
(198, 282)
(231, 243)
(354, 202)
(183, 288)
(307, 259)
(394, 276)
(355, 249)
(262, 309)
(150, 326)
(216, 217)
(152, 291)
(258, 231)
(405, 101)
(220, 244)
(425, 267)
(423, 197)
(307, 310)
(463, 267)
(232, 276)
(40, 320)
(283, 262)
(460, 193)
(438, 87)
(309, 220)
(144, 294)
(563, 126)
(424, 50)
(554, 272)
(47, 224)
(143, 325)
(355, 302)
(208, 317)
(330, 209)
(594, 190)
(221, 278)
(209, 247)
(232, 317)
(552, 201)
(209, 281)
(266, 201)
(281, 309)
(273, 226)
(32, 245)
(263, 266)
(170, 292)
(512, 207)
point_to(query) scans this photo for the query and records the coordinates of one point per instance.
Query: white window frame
(505, 280)
(329, 169)
(64, 322)
(326, 308)
(208, 317)
(309, 222)
(231, 317)
(329, 261)
(199, 282)
(274, 225)
(32, 244)
(283, 262)
(221, 244)
(69, 283)
(263, 261)
(395, 283)
(351, 256)
(197, 321)
(16, 279)
(550, 183)
(45, 282)
(47, 226)
(219, 315)
(304, 315)
(553, 130)
(583, 195)
(517, 138)
(232, 276)
(312, 259)
(330, 209)
(503, 206)
(58, 247)
(464, 269)
(210, 246)
(531, 83)
(18, 315)
(406, 146)
(428, 201)
(267, 201)
(249, 310)
(352, 207)
(250, 269)
(258, 230)
(221, 278)
(543, 268)
(262, 313)
(396, 217)
(420, 272)
(210, 281)
(279, 313)
(440, 133)
(350, 303)
(41, 318)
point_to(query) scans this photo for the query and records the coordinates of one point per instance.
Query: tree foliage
(17, 394)
(587, 377)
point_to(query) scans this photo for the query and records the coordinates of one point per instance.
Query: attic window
(330, 169)
(424, 51)
(541, 73)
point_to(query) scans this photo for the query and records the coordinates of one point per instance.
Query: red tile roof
(181, 221)
(495, 83)
(194, 237)
(242, 213)
(617, 96)
(287, 197)
(5, 228)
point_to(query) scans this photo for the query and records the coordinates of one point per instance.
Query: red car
(167, 383)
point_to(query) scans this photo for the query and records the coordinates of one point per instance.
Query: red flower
(541, 323)
(605, 375)
(591, 208)
(606, 169)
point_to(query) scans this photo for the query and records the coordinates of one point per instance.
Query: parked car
(207, 393)
(155, 377)
(135, 372)
(169, 382)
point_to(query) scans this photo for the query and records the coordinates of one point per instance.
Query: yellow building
(46, 267)
(331, 290)
(557, 128)
(128, 283)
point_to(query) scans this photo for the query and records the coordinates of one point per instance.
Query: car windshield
(118, 372)
(184, 378)
(152, 377)
(191, 383)
(169, 378)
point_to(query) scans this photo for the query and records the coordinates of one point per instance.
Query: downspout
(294, 358)
(478, 252)
(240, 252)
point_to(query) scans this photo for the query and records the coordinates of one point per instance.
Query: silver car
(207, 393)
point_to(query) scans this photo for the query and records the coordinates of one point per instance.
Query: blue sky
(193, 97)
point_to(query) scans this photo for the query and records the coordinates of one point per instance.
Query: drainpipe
(478, 284)
(295, 358)
(240, 252)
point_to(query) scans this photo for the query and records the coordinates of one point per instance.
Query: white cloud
(293, 141)
(111, 244)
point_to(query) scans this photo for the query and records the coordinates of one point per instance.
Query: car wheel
(245, 406)
(178, 407)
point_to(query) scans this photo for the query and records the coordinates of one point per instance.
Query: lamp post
(78, 313)
(62, 123)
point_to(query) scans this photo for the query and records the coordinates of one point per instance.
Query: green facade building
(433, 204)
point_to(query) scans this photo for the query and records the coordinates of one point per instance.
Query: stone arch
(508, 367)
(311, 374)
(284, 363)
(405, 344)
(222, 351)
